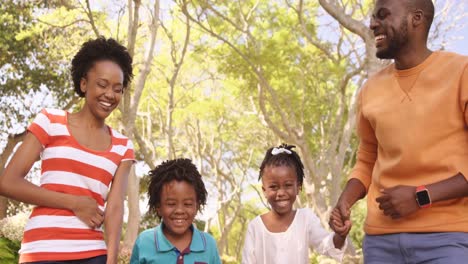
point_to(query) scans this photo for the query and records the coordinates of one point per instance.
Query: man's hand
(398, 201)
(339, 223)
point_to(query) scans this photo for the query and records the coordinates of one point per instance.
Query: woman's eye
(118, 89)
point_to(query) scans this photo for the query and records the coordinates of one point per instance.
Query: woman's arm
(14, 185)
(115, 209)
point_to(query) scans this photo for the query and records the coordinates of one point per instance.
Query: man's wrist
(423, 197)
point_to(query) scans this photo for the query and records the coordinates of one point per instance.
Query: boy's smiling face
(177, 209)
(280, 186)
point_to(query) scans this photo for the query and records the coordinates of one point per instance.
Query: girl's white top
(291, 246)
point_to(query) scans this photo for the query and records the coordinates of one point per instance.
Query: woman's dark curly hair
(96, 50)
(284, 159)
(179, 170)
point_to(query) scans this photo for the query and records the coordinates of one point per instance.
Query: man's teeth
(106, 104)
(380, 37)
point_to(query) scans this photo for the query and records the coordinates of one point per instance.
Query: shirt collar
(198, 243)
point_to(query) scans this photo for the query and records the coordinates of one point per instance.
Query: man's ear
(83, 83)
(417, 18)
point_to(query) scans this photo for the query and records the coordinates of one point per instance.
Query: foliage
(11, 234)
(9, 251)
(124, 255)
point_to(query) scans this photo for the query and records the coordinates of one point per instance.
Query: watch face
(423, 197)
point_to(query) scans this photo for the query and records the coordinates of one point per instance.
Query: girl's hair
(96, 50)
(178, 170)
(283, 155)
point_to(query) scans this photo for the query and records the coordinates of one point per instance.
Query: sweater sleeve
(367, 150)
(464, 108)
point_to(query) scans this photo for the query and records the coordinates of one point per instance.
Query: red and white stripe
(67, 167)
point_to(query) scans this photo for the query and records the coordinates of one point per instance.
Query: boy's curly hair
(179, 170)
(96, 50)
(283, 159)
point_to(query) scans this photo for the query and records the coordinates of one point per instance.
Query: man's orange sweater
(413, 131)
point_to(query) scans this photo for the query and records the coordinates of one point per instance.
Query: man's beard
(395, 44)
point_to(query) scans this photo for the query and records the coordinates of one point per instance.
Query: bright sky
(458, 37)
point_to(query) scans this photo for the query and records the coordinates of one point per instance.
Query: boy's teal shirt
(152, 246)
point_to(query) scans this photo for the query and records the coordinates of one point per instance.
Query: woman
(80, 157)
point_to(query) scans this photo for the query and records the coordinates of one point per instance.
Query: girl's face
(177, 209)
(280, 187)
(103, 88)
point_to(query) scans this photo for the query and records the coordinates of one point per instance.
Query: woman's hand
(87, 210)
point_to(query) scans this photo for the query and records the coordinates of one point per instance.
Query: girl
(80, 157)
(284, 235)
(176, 192)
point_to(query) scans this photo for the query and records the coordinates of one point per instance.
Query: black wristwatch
(422, 197)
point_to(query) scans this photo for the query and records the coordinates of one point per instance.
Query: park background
(215, 81)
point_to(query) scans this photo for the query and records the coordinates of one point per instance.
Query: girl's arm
(321, 240)
(248, 251)
(14, 185)
(115, 209)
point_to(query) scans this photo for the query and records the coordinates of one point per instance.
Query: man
(412, 160)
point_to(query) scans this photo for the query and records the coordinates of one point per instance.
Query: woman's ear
(83, 83)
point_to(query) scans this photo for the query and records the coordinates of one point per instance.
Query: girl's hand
(339, 224)
(87, 210)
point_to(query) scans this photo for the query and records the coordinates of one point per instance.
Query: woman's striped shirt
(68, 167)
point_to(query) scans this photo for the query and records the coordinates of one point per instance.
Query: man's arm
(400, 201)
(353, 191)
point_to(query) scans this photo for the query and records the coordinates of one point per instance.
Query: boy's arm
(135, 258)
(114, 211)
(215, 258)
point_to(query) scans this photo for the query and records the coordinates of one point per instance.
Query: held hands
(340, 223)
(398, 201)
(87, 210)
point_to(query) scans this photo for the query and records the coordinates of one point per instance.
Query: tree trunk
(133, 202)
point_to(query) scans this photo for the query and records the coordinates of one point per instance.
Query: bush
(11, 234)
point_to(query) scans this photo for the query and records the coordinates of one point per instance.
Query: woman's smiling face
(103, 88)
